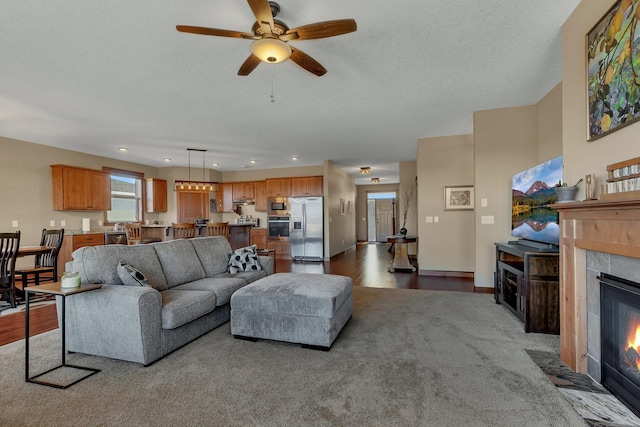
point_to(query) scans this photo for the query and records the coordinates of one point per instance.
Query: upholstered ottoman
(309, 309)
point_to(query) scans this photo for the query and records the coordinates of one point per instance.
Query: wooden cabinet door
(260, 190)
(192, 205)
(80, 189)
(156, 195)
(74, 189)
(225, 197)
(242, 190)
(99, 191)
(259, 237)
(279, 187)
(281, 247)
(306, 186)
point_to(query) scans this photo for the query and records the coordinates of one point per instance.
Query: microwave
(277, 206)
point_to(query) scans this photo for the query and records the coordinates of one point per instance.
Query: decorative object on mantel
(613, 85)
(202, 186)
(566, 193)
(407, 193)
(623, 181)
(590, 187)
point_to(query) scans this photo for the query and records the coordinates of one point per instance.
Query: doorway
(380, 216)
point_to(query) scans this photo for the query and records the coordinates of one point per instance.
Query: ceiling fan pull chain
(273, 96)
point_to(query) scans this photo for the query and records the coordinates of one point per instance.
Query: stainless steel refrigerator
(307, 228)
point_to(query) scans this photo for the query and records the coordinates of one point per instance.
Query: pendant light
(202, 186)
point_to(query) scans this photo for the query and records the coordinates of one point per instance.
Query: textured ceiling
(93, 76)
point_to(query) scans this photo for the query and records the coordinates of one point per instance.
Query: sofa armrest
(266, 262)
(117, 321)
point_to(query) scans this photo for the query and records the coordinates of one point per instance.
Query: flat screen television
(532, 220)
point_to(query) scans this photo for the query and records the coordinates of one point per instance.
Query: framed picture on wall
(613, 70)
(342, 206)
(457, 198)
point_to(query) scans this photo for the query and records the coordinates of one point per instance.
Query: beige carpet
(406, 358)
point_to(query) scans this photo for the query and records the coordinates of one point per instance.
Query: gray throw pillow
(131, 276)
(244, 259)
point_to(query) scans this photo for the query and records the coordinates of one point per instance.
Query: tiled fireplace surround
(596, 237)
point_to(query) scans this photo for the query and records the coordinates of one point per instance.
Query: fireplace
(620, 338)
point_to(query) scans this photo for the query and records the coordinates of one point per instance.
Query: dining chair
(45, 266)
(183, 230)
(134, 234)
(9, 244)
(218, 229)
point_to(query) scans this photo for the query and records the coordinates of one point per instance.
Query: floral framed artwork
(457, 198)
(613, 70)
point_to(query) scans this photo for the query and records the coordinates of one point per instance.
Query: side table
(268, 252)
(57, 290)
(401, 256)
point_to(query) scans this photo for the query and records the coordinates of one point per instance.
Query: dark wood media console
(527, 283)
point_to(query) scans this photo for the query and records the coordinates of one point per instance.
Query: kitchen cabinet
(75, 188)
(242, 190)
(71, 242)
(258, 237)
(282, 248)
(260, 190)
(225, 197)
(239, 235)
(279, 187)
(192, 205)
(156, 195)
(306, 186)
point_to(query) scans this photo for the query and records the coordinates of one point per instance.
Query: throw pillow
(131, 276)
(244, 259)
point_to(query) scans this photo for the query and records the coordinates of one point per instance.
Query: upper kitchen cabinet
(242, 191)
(279, 187)
(225, 197)
(306, 186)
(260, 190)
(156, 195)
(77, 188)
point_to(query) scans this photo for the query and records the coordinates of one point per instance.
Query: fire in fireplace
(620, 338)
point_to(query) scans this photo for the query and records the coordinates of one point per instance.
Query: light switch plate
(436, 219)
(63, 223)
(483, 203)
(14, 223)
(52, 223)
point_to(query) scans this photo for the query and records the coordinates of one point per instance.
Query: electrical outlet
(100, 222)
(343, 243)
(429, 219)
(483, 203)
(63, 223)
(14, 223)
(486, 219)
(436, 219)
(52, 223)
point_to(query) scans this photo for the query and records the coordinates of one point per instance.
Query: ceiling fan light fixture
(271, 50)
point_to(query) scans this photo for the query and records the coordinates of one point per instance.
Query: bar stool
(134, 235)
(183, 230)
(45, 267)
(9, 244)
(218, 229)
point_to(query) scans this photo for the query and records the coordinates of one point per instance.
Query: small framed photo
(349, 207)
(342, 206)
(458, 198)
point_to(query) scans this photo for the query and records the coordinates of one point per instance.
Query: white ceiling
(93, 76)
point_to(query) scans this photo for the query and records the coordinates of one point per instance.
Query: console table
(401, 256)
(57, 290)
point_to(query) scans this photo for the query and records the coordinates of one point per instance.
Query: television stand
(532, 245)
(527, 284)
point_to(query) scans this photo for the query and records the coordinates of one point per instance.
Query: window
(126, 196)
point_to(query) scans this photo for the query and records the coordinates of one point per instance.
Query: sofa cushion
(213, 253)
(223, 287)
(179, 262)
(244, 259)
(247, 276)
(99, 264)
(131, 276)
(180, 307)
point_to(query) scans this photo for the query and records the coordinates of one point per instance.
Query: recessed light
(122, 148)
(294, 158)
(253, 161)
(365, 170)
(375, 179)
(166, 159)
(215, 164)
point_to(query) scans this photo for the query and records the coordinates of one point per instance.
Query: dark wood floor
(366, 265)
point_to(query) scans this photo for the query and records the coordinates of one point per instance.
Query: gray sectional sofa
(188, 295)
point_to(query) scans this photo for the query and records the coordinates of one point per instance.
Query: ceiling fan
(272, 36)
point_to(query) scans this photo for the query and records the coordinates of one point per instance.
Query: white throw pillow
(244, 259)
(131, 276)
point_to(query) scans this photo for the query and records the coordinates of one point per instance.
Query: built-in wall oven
(278, 227)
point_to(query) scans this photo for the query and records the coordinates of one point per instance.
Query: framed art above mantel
(613, 70)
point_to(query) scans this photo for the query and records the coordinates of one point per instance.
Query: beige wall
(361, 206)
(339, 230)
(448, 244)
(408, 175)
(580, 156)
(549, 125)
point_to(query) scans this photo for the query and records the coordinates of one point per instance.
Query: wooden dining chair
(183, 230)
(45, 266)
(9, 244)
(218, 229)
(134, 235)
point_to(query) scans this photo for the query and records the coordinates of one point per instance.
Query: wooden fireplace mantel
(604, 226)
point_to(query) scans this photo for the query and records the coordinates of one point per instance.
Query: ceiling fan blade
(307, 62)
(262, 11)
(249, 65)
(214, 32)
(321, 30)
